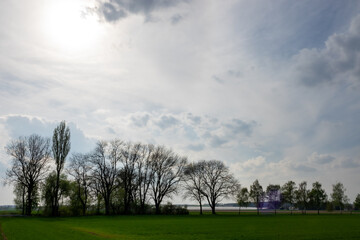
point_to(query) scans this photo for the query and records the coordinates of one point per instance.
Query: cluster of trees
(120, 177)
(290, 196)
(117, 176)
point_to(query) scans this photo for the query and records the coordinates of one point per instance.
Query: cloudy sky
(272, 88)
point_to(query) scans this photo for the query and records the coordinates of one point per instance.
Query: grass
(227, 226)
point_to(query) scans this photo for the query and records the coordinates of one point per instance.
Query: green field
(227, 226)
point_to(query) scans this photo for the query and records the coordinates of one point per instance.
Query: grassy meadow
(221, 226)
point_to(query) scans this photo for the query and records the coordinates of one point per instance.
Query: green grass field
(222, 226)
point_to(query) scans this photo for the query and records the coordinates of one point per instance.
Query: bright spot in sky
(69, 25)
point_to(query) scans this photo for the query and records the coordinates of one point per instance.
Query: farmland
(221, 226)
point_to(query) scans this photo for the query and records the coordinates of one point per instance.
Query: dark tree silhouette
(105, 169)
(257, 194)
(167, 171)
(60, 149)
(218, 183)
(302, 196)
(193, 183)
(338, 195)
(273, 196)
(80, 168)
(242, 198)
(288, 194)
(30, 157)
(317, 196)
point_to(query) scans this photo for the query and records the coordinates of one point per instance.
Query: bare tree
(144, 175)
(60, 149)
(30, 156)
(130, 155)
(218, 182)
(105, 160)
(193, 182)
(80, 169)
(257, 194)
(288, 193)
(167, 171)
(273, 196)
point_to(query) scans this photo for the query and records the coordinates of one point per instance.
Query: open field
(227, 226)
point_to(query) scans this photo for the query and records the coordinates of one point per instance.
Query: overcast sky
(272, 88)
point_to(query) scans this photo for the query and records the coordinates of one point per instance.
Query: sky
(271, 88)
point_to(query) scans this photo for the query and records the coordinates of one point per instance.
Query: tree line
(120, 177)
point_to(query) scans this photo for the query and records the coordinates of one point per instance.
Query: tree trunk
(23, 201)
(201, 211)
(29, 202)
(213, 210)
(157, 208)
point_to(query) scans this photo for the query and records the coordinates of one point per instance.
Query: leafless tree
(105, 160)
(193, 184)
(30, 157)
(130, 156)
(80, 169)
(144, 175)
(60, 149)
(167, 171)
(218, 182)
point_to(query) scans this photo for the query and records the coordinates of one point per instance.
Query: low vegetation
(207, 226)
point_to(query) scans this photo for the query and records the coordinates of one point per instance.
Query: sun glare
(70, 25)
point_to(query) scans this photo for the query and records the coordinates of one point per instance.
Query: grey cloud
(194, 119)
(321, 158)
(140, 121)
(303, 168)
(24, 126)
(216, 141)
(338, 61)
(167, 121)
(114, 10)
(349, 163)
(111, 130)
(217, 79)
(234, 73)
(238, 126)
(196, 147)
(176, 19)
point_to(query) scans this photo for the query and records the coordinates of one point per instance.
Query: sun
(71, 25)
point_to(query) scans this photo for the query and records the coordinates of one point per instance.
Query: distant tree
(167, 171)
(49, 189)
(242, 198)
(80, 169)
(218, 182)
(273, 196)
(30, 157)
(193, 183)
(338, 195)
(317, 196)
(20, 195)
(357, 202)
(302, 196)
(105, 169)
(257, 194)
(60, 149)
(144, 176)
(288, 193)
(130, 155)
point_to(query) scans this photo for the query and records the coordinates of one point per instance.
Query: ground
(222, 226)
